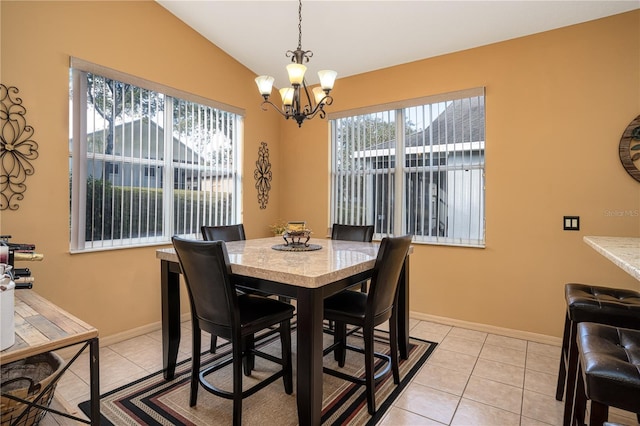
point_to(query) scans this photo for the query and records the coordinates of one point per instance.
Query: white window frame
(463, 172)
(79, 160)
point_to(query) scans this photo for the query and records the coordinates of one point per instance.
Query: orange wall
(119, 289)
(557, 104)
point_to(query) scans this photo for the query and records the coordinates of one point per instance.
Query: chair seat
(257, 312)
(610, 358)
(605, 305)
(347, 306)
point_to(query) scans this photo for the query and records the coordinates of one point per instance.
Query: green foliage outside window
(115, 212)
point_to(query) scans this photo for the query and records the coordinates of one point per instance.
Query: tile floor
(472, 378)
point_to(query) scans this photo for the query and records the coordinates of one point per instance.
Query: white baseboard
(508, 332)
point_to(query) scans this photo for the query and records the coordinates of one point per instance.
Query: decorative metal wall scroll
(263, 175)
(629, 148)
(17, 150)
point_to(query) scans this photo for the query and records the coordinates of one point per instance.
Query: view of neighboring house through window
(147, 161)
(414, 167)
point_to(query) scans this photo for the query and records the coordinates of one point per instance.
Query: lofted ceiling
(353, 37)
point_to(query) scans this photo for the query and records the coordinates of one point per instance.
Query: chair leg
(237, 383)
(287, 367)
(214, 344)
(562, 370)
(572, 367)
(576, 406)
(599, 413)
(369, 369)
(249, 359)
(393, 343)
(195, 366)
(340, 335)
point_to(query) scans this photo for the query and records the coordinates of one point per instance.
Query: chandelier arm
(276, 107)
(309, 107)
(319, 108)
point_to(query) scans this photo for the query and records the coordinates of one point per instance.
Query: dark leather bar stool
(608, 372)
(587, 303)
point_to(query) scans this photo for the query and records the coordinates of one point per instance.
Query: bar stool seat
(608, 371)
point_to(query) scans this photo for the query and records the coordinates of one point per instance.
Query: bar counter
(623, 251)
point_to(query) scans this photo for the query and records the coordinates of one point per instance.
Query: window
(414, 167)
(148, 161)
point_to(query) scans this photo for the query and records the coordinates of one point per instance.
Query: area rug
(154, 401)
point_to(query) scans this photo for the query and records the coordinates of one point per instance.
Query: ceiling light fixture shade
(297, 102)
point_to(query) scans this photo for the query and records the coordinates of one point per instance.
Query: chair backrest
(362, 233)
(223, 233)
(205, 267)
(386, 272)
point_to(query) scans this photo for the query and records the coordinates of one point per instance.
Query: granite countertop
(623, 251)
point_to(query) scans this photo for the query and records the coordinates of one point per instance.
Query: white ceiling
(352, 37)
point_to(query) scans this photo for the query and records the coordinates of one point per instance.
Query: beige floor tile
(113, 368)
(442, 379)
(412, 323)
(452, 360)
(397, 416)
(70, 386)
(504, 355)
(541, 407)
(143, 351)
(617, 415)
(499, 372)
(471, 413)
(540, 382)
(542, 363)
(526, 421)
(463, 346)
(428, 402)
(506, 342)
(495, 394)
(465, 333)
(552, 351)
(430, 331)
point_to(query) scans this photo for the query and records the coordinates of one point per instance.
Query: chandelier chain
(299, 24)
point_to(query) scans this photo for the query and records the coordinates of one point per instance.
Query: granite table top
(256, 258)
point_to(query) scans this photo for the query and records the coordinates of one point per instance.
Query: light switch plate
(571, 223)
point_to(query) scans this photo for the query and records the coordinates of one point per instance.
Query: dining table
(306, 274)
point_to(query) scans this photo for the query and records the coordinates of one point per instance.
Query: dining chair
(229, 233)
(366, 311)
(222, 233)
(217, 308)
(362, 233)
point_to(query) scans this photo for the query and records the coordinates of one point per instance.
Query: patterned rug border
(330, 413)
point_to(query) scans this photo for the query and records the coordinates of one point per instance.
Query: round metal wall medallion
(630, 149)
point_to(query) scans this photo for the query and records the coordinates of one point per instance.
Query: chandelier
(297, 103)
